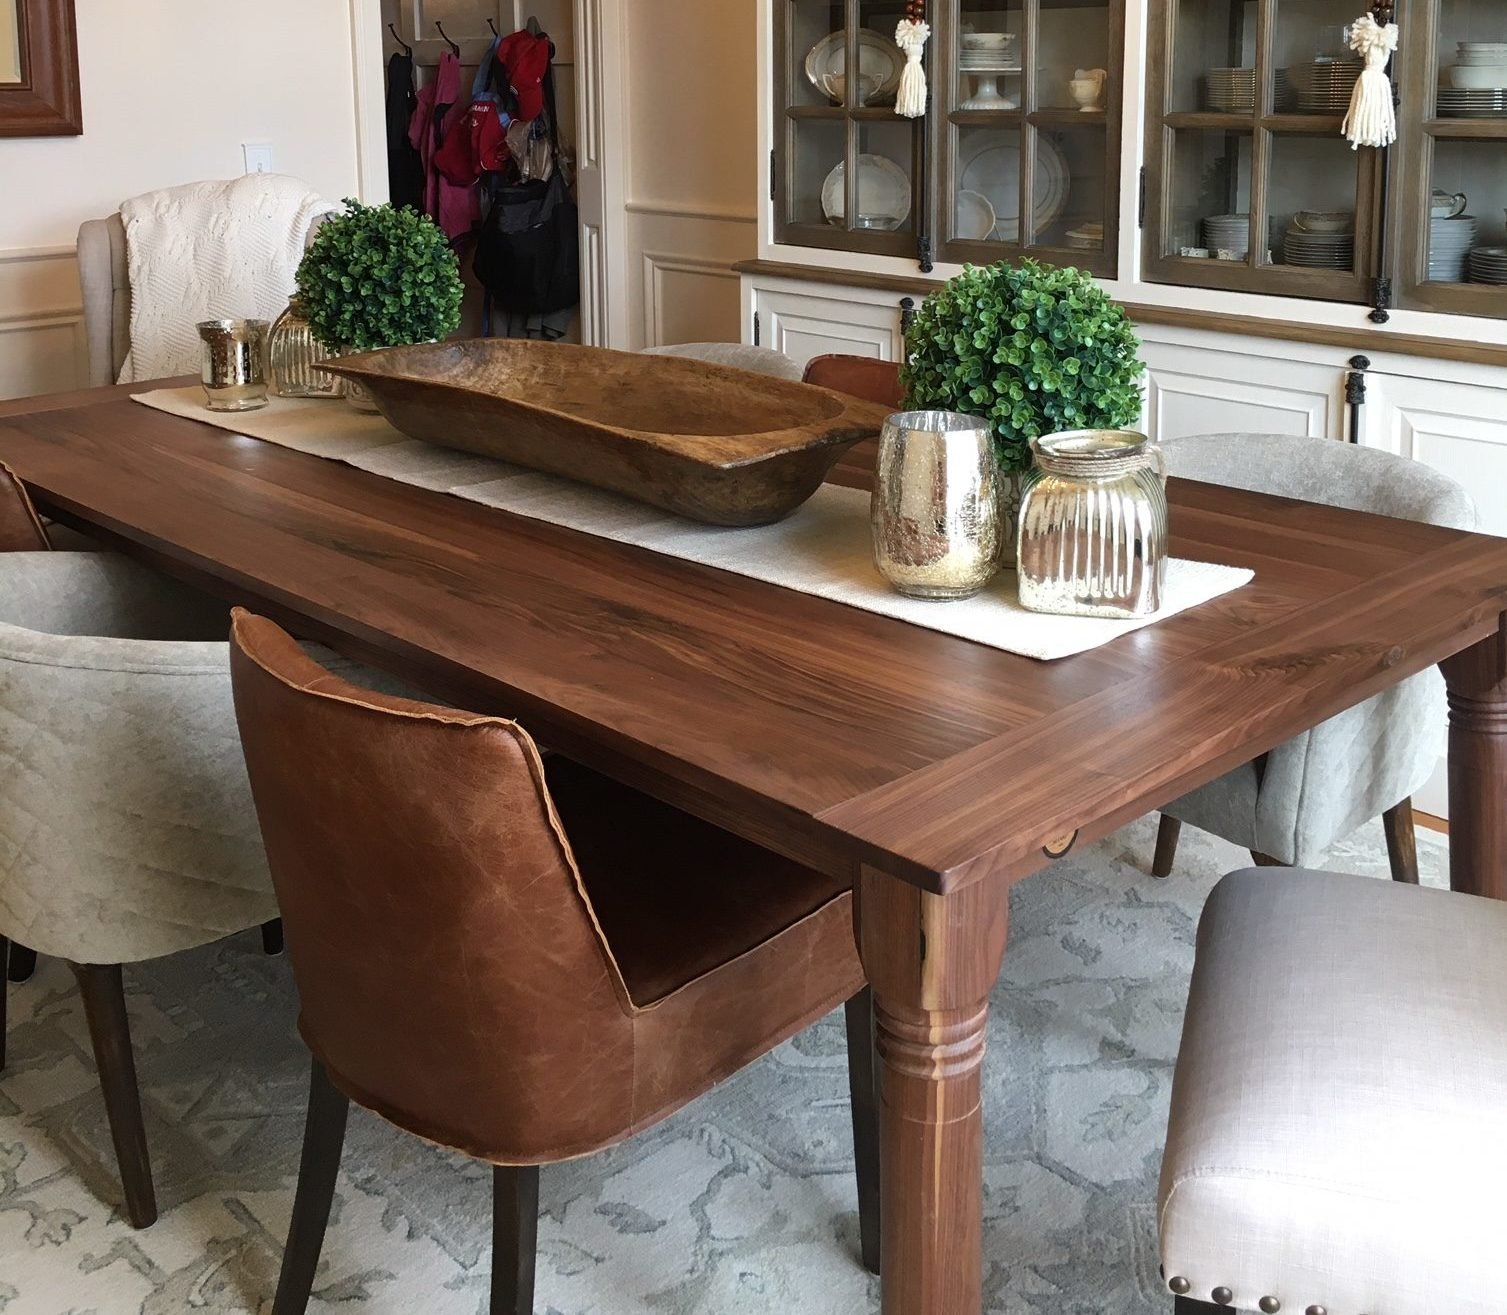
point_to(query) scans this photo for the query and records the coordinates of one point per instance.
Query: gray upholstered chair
(105, 284)
(1292, 804)
(760, 360)
(126, 820)
(1338, 1132)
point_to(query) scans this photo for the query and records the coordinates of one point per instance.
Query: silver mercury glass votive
(935, 509)
(1093, 525)
(234, 364)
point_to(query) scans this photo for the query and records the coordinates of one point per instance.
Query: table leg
(931, 961)
(1477, 679)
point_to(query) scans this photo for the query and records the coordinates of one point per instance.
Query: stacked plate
(1488, 265)
(1461, 103)
(1230, 233)
(1231, 90)
(1450, 241)
(1325, 85)
(1318, 250)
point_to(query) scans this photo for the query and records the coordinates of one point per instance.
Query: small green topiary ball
(379, 277)
(1031, 348)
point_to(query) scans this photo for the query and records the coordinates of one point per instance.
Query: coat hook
(407, 49)
(440, 28)
(493, 25)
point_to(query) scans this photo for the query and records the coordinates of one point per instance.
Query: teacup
(1444, 206)
(1086, 93)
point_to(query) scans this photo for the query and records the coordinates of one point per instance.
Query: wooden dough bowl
(711, 443)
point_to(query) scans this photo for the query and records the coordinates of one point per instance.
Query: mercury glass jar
(935, 508)
(292, 353)
(1093, 525)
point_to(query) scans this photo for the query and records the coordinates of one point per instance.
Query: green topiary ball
(1031, 348)
(379, 277)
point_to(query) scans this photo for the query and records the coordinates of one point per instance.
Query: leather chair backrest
(451, 970)
(20, 527)
(858, 376)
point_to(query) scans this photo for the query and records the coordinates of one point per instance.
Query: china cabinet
(1450, 206)
(1019, 154)
(1250, 185)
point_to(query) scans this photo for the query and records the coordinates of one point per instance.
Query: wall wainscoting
(42, 344)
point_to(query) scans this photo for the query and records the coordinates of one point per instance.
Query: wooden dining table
(933, 771)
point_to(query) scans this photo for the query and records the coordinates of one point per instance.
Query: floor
(741, 1205)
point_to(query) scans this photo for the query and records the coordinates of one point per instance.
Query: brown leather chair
(578, 960)
(868, 378)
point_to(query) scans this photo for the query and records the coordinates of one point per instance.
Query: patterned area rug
(743, 1204)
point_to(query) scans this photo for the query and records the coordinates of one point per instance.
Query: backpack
(528, 255)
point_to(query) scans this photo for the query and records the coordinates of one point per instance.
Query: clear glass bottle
(291, 354)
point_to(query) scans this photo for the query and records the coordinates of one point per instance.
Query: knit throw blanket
(204, 251)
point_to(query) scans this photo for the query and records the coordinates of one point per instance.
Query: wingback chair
(759, 360)
(1338, 1130)
(105, 283)
(579, 960)
(1292, 804)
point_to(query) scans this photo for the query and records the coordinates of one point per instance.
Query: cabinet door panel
(803, 325)
(1459, 429)
(1201, 390)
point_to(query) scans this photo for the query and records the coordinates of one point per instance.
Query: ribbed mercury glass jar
(1093, 525)
(292, 353)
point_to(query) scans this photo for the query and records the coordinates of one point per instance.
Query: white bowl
(987, 40)
(1479, 77)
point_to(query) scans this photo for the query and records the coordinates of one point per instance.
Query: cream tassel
(1372, 121)
(911, 36)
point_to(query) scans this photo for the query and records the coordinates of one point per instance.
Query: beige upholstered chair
(1338, 1133)
(104, 664)
(105, 282)
(1292, 804)
(760, 360)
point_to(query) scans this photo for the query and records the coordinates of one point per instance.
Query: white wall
(171, 88)
(692, 89)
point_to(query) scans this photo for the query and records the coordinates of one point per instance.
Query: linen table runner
(823, 549)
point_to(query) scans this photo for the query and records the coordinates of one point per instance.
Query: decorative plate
(884, 194)
(975, 217)
(878, 57)
(994, 172)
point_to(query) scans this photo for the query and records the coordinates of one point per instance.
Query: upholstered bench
(1338, 1135)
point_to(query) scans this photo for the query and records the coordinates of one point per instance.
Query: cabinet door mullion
(1261, 138)
(1030, 35)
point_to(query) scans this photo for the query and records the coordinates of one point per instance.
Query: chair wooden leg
(515, 1238)
(859, 1012)
(323, 1140)
(1402, 842)
(1167, 833)
(23, 962)
(110, 1031)
(272, 936)
(1266, 860)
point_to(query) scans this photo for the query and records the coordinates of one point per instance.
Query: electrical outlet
(258, 156)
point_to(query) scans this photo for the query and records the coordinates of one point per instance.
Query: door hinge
(907, 315)
(923, 254)
(1355, 393)
(758, 329)
(1141, 201)
(774, 176)
(1381, 300)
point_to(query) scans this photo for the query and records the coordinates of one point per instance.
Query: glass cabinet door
(1250, 185)
(1449, 208)
(847, 169)
(1026, 110)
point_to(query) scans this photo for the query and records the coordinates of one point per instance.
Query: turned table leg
(931, 961)
(1477, 679)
